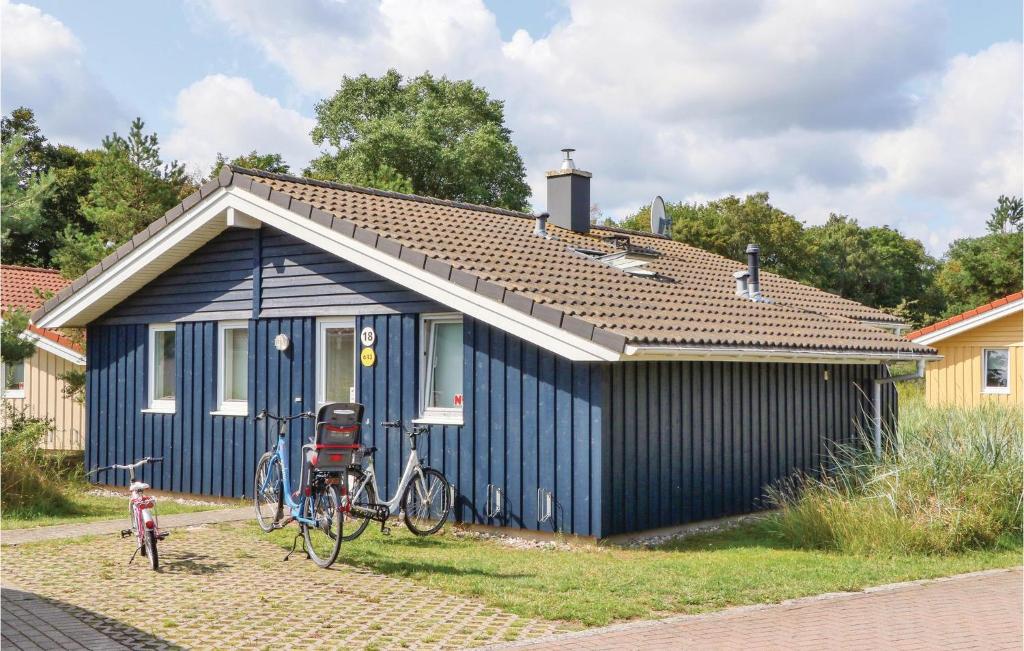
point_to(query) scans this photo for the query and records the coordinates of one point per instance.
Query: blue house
(605, 381)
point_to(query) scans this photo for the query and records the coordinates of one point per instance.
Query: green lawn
(82, 507)
(599, 585)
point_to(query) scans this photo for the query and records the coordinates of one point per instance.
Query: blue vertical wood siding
(621, 447)
(523, 407)
(722, 433)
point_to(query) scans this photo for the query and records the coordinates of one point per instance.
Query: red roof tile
(945, 323)
(21, 287)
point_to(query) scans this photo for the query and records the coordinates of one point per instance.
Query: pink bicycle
(141, 512)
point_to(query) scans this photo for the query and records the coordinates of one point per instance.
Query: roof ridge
(348, 187)
(24, 267)
(966, 314)
(629, 231)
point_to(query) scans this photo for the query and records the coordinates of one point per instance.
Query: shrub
(951, 483)
(30, 479)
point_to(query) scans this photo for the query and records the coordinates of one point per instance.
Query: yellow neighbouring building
(981, 355)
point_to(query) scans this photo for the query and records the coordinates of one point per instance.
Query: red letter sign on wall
(458, 400)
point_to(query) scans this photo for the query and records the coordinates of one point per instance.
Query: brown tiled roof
(493, 252)
(20, 288)
(981, 309)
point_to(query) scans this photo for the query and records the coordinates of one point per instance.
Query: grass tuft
(951, 483)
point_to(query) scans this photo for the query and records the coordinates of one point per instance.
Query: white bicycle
(423, 494)
(141, 512)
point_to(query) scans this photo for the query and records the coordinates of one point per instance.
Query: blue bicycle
(316, 506)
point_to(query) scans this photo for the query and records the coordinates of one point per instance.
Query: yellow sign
(367, 357)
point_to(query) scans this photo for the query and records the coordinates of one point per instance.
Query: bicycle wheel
(324, 538)
(426, 502)
(154, 560)
(364, 496)
(267, 496)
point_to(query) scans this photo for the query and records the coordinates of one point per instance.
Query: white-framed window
(995, 370)
(14, 379)
(233, 367)
(335, 360)
(441, 369)
(162, 367)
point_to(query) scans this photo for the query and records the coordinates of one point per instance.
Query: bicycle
(141, 512)
(423, 495)
(317, 509)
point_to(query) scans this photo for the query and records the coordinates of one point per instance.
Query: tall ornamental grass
(31, 481)
(952, 482)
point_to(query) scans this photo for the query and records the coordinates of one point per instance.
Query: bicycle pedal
(126, 533)
(385, 530)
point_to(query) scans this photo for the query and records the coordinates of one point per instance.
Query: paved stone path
(982, 610)
(29, 622)
(225, 586)
(56, 532)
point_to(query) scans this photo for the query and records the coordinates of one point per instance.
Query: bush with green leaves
(31, 479)
(951, 483)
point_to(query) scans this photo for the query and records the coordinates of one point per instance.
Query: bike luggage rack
(495, 501)
(545, 505)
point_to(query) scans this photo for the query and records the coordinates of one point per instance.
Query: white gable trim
(971, 323)
(443, 291)
(208, 218)
(145, 262)
(53, 347)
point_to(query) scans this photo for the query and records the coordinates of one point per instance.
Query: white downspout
(877, 400)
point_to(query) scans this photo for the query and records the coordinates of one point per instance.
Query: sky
(905, 113)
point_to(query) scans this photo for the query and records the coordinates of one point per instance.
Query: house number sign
(367, 357)
(368, 337)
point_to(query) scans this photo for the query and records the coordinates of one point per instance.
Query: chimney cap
(753, 248)
(567, 162)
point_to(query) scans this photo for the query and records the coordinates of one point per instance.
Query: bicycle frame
(281, 454)
(413, 468)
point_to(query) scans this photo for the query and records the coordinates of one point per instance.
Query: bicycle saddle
(370, 450)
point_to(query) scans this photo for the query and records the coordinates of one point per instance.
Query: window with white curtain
(233, 367)
(336, 361)
(441, 373)
(14, 379)
(162, 367)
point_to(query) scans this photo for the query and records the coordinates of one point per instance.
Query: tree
(977, 270)
(13, 348)
(32, 159)
(131, 186)
(254, 161)
(21, 199)
(1008, 215)
(873, 265)
(31, 237)
(436, 137)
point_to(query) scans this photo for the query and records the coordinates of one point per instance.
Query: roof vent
(754, 269)
(540, 227)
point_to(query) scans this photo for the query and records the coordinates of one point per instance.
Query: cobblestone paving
(972, 611)
(222, 586)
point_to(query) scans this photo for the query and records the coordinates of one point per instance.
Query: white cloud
(220, 114)
(846, 107)
(42, 68)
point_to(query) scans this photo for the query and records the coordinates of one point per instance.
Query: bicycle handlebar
(415, 430)
(117, 466)
(266, 414)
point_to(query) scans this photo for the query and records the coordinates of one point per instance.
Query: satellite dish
(659, 222)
